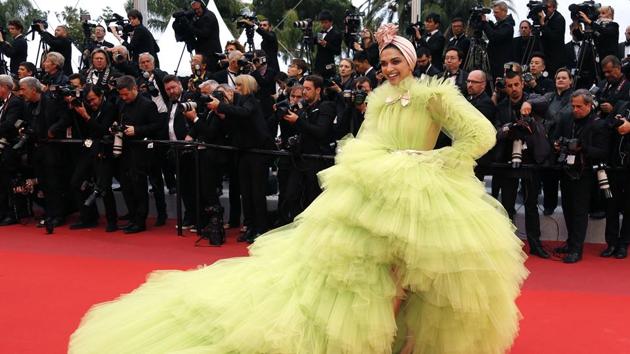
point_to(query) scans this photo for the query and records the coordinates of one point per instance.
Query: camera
(352, 20)
(188, 106)
(69, 91)
(589, 8)
(411, 29)
(355, 97)
(96, 192)
(304, 24)
(518, 131)
(122, 24)
(535, 7)
(181, 27)
(36, 23)
(284, 107)
(602, 179)
(118, 132)
(189, 14)
(476, 12)
(149, 84)
(245, 16)
(25, 131)
(329, 74)
(527, 77)
(568, 149)
(219, 95)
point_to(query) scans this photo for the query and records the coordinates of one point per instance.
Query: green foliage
(71, 17)
(20, 10)
(275, 10)
(229, 10)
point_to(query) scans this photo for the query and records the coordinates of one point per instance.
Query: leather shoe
(538, 250)
(126, 226)
(124, 217)
(8, 221)
(252, 238)
(572, 257)
(621, 252)
(609, 251)
(82, 225)
(548, 211)
(56, 222)
(245, 237)
(562, 249)
(111, 228)
(134, 229)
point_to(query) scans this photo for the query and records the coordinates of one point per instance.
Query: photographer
(18, 49)
(98, 40)
(120, 61)
(614, 89)
(525, 44)
(59, 43)
(249, 130)
(93, 117)
(581, 53)
(536, 79)
(581, 142)
(53, 71)
(269, 44)
(452, 69)
(266, 79)
(350, 120)
(364, 68)
(521, 139)
(424, 66)
(314, 126)
(228, 75)
(369, 46)
(328, 42)
(605, 31)
(431, 38)
(200, 72)
(26, 69)
(11, 111)
(499, 37)
(459, 39)
(100, 72)
(142, 40)
(205, 28)
(46, 117)
(618, 238)
(151, 85)
(552, 31)
(139, 119)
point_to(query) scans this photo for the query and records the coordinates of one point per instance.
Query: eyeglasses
(474, 82)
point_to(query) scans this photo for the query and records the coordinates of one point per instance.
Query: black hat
(325, 15)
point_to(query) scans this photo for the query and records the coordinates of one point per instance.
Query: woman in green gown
(403, 252)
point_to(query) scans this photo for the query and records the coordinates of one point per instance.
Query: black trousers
(134, 172)
(253, 171)
(89, 167)
(302, 188)
(234, 191)
(187, 180)
(576, 197)
(509, 191)
(618, 206)
(211, 169)
(49, 173)
(550, 180)
(157, 157)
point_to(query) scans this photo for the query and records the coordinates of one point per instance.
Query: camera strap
(5, 105)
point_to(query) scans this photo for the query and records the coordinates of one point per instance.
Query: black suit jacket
(206, 30)
(315, 127)
(221, 77)
(606, 35)
(269, 45)
(520, 45)
(435, 43)
(484, 104)
(11, 111)
(142, 41)
(594, 136)
(621, 50)
(17, 51)
(552, 38)
(181, 126)
(62, 46)
(246, 123)
(158, 78)
(371, 75)
(462, 43)
(500, 37)
(326, 55)
(460, 79)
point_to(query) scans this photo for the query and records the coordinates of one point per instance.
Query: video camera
(589, 8)
(284, 107)
(244, 17)
(535, 7)
(476, 12)
(122, 25)
(411, 29)
(35, 25)
(181, 27)
(352, 20)
(306, 24)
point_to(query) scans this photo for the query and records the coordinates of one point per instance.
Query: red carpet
(49, 281)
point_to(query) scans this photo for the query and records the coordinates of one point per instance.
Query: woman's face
(563, 81)
(345, 68)
(394, 66)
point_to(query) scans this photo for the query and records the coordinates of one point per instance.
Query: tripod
(531, 45)
(587, 47)
(249, 32)
(477, 57)
(306, 49)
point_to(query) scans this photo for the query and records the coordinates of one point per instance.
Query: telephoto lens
(517, 153)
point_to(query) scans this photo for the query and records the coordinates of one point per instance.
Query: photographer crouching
(92, 177)
(581, 141)
(314, 127)
(248, 130)
(523, 139)
(138, 120)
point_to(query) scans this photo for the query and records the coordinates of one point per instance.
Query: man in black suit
(11, 111)
(432, 38)
(499, 37)
(424, 66)
(142, 40)
(539, 82)
(477, 95)
(18, 50)
(452, 69)
(328, 42)
(266, 78)
(525, 44)
(228, 75)
(97, 41)
(364, 68)
(269, 44)
(605, 31)
(623, 49)
(585, 75)
(59, 43)
(552, 30)
(139, 116)
(459, 39)
(205, 28)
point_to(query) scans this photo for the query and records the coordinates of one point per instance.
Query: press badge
(87, 143)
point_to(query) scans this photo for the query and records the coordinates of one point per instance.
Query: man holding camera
(521, 139)
(120, 57)
(205, 28)
(552, 31)
(349, 122)
(269, 44)
(581, 141)
(499, 37)
(227, 76)
(314, 125)
(94, 166)
(328, 43)
(266, 78)
(537, 79)
(459, 39)
(142, 40)
(139, 119)
(11, 111)
(18, 49)
(200, 72)
(59, 43)
(614, 89)
(605, 31)
(431, 38)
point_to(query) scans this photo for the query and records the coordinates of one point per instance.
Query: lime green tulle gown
(394, 214)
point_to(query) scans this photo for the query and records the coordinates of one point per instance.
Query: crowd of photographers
(560, 111)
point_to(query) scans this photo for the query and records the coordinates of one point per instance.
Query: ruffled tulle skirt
(386, 220)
